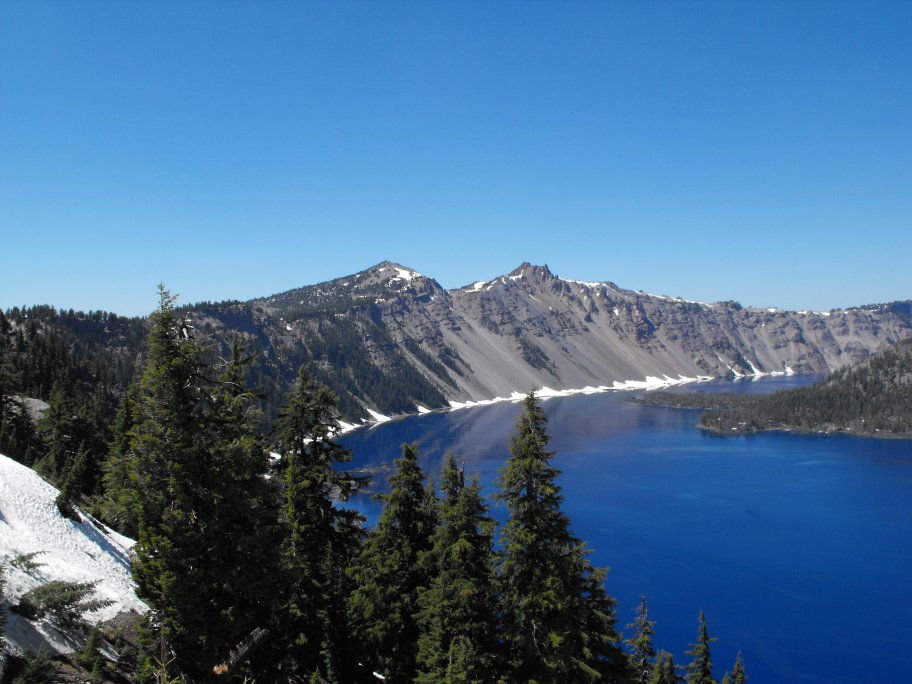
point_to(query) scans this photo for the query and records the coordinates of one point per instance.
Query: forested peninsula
(873, 399)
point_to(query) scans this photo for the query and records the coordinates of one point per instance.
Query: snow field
(69, 551)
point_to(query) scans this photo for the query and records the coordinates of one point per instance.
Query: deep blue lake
(797, 547)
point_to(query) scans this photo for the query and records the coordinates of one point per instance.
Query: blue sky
(752, 151)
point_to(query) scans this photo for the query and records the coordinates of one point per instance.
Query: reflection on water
(795, 546)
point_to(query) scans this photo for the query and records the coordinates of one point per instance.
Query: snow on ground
(545, 393)
(346, 427)
(69, 551)
(404, 274)
(422, 409)
(378, 417)
(757, 373)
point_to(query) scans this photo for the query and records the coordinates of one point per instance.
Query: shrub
(64, 601)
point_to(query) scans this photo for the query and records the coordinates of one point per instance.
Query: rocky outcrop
(389, 339)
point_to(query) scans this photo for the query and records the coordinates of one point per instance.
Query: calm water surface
(798, 548)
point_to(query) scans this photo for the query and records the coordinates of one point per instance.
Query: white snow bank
(649, 383)
(379, 417)
(68, 551)
(404, 274)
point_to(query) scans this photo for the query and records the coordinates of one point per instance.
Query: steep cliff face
(389, 339)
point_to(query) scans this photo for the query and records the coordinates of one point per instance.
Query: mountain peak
(386, 265)
(531, 269)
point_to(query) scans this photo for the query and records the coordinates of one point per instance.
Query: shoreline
(649, 383)
(740, 432)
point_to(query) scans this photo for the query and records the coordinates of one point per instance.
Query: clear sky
(757, 151)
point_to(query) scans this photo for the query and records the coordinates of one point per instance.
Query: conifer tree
(195, 471)
(699, 671)
(458, 619)
(167, 470)
(389, 573)
(241, 510)
(18, 437)
(642, 652)
(119, 504)
(89, 654)
(72, 484)
(197, 466)
(321, 537)
(558, 623)
(663, 670)
(60, 430)
(737, 675)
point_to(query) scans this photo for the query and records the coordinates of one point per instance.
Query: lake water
(797, 547)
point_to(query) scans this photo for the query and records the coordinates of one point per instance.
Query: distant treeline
(873, 398)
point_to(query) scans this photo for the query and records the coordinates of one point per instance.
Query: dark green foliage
(88, 656)
(664, 670)
(240, 509)
(737, 675)
(63, 601)
(389, 573)
(198, 465)
(320, 538)
(642, 652)
(167, 470)
(26, 561)
(38, 669)
(73, 482)
(874, 398)
(71, 433)
(119, 502)
(79, 363)
(18, 437)
(534, 355)
(699, 671)
(558, 623)
(457, 618)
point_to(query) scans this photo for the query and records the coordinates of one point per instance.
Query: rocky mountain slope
(389, 340)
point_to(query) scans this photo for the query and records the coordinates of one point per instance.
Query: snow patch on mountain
(66, 550)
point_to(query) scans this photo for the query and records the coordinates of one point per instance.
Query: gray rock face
(389, 338)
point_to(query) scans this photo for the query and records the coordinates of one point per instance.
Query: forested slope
(873, 398)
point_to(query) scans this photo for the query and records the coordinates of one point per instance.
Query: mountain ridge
(389, 339)
(530, 327)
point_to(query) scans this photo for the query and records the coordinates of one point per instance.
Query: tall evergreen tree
(198, 466)
(663, 670)
(642, 651)
(242, 511)
(389, 573)
(61, 431)
(72, 484)
(558, 623)
(321, 537)
(458, 619)
(699, 671)
(737, 675)
(118, 506)
(168, 469)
